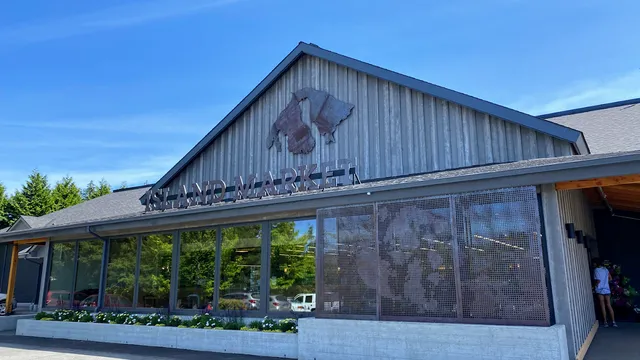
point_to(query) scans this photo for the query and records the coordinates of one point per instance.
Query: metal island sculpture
(325, 111)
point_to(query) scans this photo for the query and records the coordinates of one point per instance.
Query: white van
(304, 303)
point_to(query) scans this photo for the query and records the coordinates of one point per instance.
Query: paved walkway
(616, 343)
(23, 348)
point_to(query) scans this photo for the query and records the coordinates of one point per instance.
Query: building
(370, 201)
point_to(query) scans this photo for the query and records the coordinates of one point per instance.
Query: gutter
(524, 176)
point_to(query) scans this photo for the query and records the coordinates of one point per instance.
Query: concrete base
(221, 341)
(8, 323)
(330, 339)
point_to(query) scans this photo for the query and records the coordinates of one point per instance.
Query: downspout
(613, 214)
(103, 268)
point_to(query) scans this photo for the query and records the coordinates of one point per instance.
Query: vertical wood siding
(392, 131)
(575, 209)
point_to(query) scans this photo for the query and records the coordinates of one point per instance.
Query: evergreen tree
(66, 194)
(103, 188)
(4, 202)
(90, 191)
(34, 199)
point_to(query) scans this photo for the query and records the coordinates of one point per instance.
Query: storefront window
(197, 269)
(293, 266)
(61, 275)
(240, 268)
(155, 271)
(88, 274)
(121, 272)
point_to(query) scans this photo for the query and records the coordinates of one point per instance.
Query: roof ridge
(591, 108)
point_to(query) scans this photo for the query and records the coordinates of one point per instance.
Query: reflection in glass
(197, 269)
(121, 271)
(501, 262)
(88, 275)
(240, 268)
(155, 271)
(350, 260)
(293, 266)
(61, 276)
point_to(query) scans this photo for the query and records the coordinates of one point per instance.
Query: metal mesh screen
(473, 257)
(349, 261)
(500, 250)
(416, 259)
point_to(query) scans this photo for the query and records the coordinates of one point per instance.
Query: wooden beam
(13, 269)
(31, 241)
(597, 182)
(587, 343)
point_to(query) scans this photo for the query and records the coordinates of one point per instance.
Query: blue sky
(122, 89)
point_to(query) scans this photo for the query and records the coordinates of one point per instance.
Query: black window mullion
(265, 268)
(216, 279)
(137, 276)
(75, 275)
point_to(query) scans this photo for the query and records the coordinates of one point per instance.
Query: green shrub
(47, 319)
(269, 324)
(183, 327)
(230, 304)
(41, 315)
(244, 328)
(233, 324)
(205, 321)
(161, 325)
(64, 315)
(173, 321)
(85, 317)
(288, 325)
(255, 325)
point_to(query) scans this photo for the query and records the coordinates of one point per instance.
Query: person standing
(602, 277)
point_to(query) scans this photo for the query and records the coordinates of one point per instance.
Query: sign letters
(291, 180)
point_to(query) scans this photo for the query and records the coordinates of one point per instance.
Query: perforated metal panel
(416, 258)
(501, 266)
(349, 261)
(461, 258)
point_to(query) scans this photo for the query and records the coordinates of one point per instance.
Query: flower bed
(205, 321)
(201, 332)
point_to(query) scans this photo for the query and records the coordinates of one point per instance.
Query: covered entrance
(615, 205)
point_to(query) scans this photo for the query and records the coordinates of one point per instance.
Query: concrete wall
(9, 323)
(392, 131)
(223, 341)
(329, 339)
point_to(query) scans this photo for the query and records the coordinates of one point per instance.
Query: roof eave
(624, 164)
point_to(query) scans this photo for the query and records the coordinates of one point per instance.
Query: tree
(34, 199)
(66, 194)
(92, 192)
(4, 202)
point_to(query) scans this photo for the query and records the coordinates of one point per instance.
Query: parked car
(3, 304)
(279, 303)
(304, 303)
(251, 301)
(110, 301)
(61, 298)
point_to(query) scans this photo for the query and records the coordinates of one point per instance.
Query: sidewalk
(20, 347)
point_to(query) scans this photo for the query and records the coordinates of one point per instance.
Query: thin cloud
(106, 19)
(585, 93)
(195, 121)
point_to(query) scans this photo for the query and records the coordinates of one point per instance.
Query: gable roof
(611, 127)
(547, 127)
(118, 203)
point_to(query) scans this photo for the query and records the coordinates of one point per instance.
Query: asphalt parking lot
(19, 347)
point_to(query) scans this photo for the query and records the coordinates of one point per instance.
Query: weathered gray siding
(575, 209)
(392, 131)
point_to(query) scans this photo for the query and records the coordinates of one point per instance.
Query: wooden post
(12, 279)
